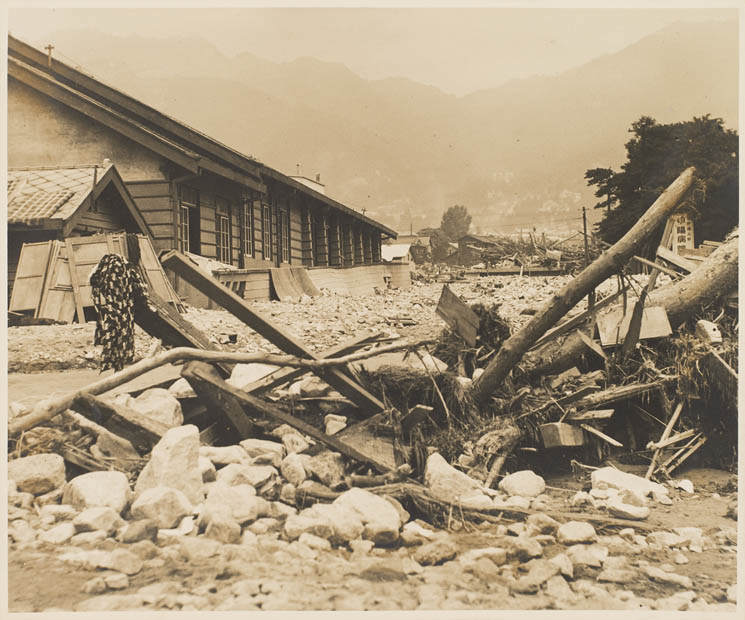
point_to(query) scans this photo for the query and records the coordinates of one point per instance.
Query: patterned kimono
(117, 289)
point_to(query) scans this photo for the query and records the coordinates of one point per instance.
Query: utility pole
(49, 49)
(591, 296)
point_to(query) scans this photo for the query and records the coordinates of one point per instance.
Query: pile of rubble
(193, 502)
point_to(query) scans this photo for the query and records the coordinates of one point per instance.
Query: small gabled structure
(53, 203)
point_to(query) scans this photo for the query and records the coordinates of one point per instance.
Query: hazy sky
(458, 50)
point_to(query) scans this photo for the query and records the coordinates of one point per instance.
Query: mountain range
(515, 155)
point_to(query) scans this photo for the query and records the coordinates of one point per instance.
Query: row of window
(189, 232)
(189, 225)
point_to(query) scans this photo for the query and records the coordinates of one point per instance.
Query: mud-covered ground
(270, 573)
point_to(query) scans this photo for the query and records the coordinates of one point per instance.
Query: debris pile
(382, 443)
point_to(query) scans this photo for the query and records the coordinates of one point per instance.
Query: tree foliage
(438, 241)
(656, 155)
(455, 222)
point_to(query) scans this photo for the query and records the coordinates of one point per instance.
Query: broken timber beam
(285, 375)
(203, 282)
(227, 408)
(140, 430)
(615, 394)
(263, 408)
(714, 279)
(515, 347)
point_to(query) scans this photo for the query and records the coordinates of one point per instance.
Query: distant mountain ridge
(514, 155)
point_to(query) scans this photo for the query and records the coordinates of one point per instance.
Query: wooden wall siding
(376, 242)
(367, 247)
(307, 241)
(101, 218)
(358, 249)
(320, 242)
(347, 243)
(157, 206)
(235, 235)
(207, 227)
(296, 236)
(334, 246)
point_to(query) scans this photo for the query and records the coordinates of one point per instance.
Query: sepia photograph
(398, 307)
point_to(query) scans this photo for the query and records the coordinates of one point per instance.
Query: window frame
(187, 206)
(248, 228)
(284, 223)
(266, 231)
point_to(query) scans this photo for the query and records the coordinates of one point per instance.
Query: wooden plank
(285, 375)
(602, 436)
(458, 315)
(226, 407)
(28, 285)
(226, 298)
(266, 409)
(74, 279)
(613, 326)
(576, 321)
(140, 430)
(722, 376)
(559, 434)
(597, 414)
(47, 285)
(658, 267)
(676, 259)
(615, 394)
(591, 344)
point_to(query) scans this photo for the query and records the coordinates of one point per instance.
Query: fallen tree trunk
(517, 345)
(47, 409)
(714, 279)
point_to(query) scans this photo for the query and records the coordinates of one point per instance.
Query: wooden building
(195, 194)
(55, 203)
(471, 248)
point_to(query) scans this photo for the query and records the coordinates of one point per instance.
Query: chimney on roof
(298, 170)
(318, 178)
(106, 162)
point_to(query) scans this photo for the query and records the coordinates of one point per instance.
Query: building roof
(392, 251)
(478, 238)
(53, 197)
(414, 239)
(172, 139)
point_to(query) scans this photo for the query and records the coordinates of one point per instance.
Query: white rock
(224, 528)
(333, 522)
(310, 387)
(566, 568)
(58, 534)
(123, 561)
(224, 455)
(477, 372)
(523, 483)
(626, 511)
(159, 404)
(580, 498)
(98, 488)
(576, 532)
(686, 485)
(174, 463)
(239, 500)
(478, 501)
(294, 442)
(381, 520)
(293, 470)
(588, 555)
(181, 389)
(207, 469)
(327, 467)
(315, 542)
(447, 482)
(259, 447)
(245, 374)
(37, 474)
(254, 475)
(57, 512)
(610, 477)
(163, 505)
(517, 501)
(101, 518)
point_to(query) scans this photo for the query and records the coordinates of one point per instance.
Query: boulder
(669, 578)
(414, 534)
(576, 532)
(334, 423)
(57, 512)
(523, 548)
(566, 568)
(98, 488)
(258, 447)
(174, 463)
(381, 519)
(37, 474)
(446, 482)
(617, 575)
(327, 467)
(523, 483)
(224, 455)
(207, 469)
(240, 501)
(255, 475)
(436, 552)
(540, 572)
(59, 534)
(116, 447)
(123, 561)
(245, 374)
(223, 528)
(336, 523)
(163, 505)
(181, 389)
(101, 518)
(141, 529)
(587, 555)
(294, 442)
(496, 555)
(541, 523)
(618, 508)
(315, 542)
(610, 477)
(293, 470)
